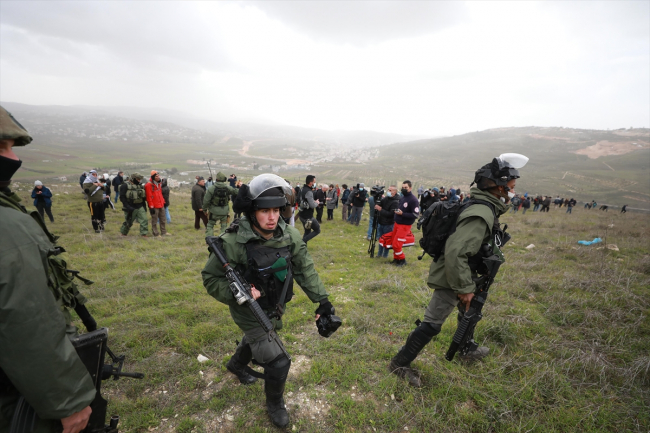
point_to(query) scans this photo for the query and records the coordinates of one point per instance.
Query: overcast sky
(435, 68)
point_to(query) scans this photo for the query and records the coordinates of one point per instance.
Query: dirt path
(606, 148)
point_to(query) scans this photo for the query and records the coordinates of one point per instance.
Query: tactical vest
(135, 193)
(60, 279)
(267, 270)
(220, 196)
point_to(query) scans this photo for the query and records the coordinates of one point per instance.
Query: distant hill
(606, 166)
(51, 118)
(587, 164)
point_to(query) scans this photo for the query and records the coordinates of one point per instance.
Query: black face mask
(404, 191)
(8, 167)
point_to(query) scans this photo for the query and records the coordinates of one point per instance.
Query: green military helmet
(11, 129)
(136, 175)
(220, 177)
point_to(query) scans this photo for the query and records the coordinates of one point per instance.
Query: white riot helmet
(268, 191)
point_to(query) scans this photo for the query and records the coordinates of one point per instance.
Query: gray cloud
(411, 67)
(141, 34)
(364, 22)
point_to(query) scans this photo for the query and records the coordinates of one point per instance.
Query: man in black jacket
(198, 194)
(359, 199)
(117, 181)
(306, 209)
(320, 196)
(386, 208)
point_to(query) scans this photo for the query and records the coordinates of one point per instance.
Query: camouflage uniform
(211, 203)
(37, 360)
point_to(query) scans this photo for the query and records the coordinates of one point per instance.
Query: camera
(328, 324)
(377, 192)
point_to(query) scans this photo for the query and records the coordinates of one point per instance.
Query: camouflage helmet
(136, 175)
(11, 129)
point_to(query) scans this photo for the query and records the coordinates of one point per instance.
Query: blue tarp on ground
(595, 241)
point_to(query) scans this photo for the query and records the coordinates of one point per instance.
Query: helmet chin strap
(505, 196)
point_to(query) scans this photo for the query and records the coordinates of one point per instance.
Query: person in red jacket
(156, 204)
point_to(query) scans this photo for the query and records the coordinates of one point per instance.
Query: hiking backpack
(439, 222)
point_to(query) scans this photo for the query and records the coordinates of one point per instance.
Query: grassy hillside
(553, 168)
(567, 327)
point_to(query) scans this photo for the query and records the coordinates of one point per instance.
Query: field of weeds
(567, 327)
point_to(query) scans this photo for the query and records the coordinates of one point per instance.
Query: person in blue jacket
(42, 200)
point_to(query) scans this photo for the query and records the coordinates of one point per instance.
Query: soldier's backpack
(439, 222)
(220, 197)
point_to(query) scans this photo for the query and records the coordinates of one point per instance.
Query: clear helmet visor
(266, 181)
(514, 160)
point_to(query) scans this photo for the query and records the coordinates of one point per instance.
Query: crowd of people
(266, 250)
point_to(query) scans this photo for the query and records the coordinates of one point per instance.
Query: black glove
(325, 308)
(152, 211)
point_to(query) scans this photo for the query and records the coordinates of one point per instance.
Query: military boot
(276, 376)
(400, 365)
(239, 361)
(476, 354)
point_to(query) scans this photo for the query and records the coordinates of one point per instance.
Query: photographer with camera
(405, 216)
(386, 217)
(267, 254)
(359, 198)
(306, 209)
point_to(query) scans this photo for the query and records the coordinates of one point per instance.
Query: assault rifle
(241, 290)
(92, 349)
(464, 337)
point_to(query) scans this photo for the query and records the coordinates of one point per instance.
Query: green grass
(567, 327)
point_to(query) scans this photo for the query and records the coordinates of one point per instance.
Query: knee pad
(429, 329)
(278, 369)
(280, 363)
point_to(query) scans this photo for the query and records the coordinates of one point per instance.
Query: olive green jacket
(218, 210)
(304, 273)
(97, 196)
(36, 355)
(474, 228)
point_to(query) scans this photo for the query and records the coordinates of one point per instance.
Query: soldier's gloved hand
(325, 308)
(152, 211)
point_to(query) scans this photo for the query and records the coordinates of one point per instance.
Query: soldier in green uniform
(269, 254)
(43, 384)
(451, 276)
(216, 202)
(132, 196)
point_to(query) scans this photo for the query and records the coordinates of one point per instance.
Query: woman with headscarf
(94, 191)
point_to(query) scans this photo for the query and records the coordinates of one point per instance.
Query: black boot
(276, 376)
(239, 361)
(417, 339)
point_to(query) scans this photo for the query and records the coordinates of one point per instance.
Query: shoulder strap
(472, 201)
